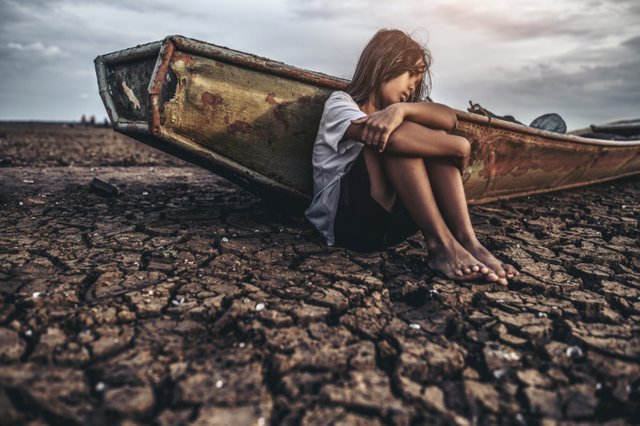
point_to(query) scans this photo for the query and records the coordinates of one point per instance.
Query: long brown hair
(387, 55)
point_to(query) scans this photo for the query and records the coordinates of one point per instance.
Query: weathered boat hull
(254, 121)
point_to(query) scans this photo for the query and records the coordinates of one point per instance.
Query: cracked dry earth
(186, 300)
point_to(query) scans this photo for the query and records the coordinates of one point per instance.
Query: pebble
(36, 294)
(27, 181)
(225, 240)
(219, 384)
(415, 326)
(574, 352)
(260, 306)
(100, 386)
(499, 373)
(145, 193)
(511, 356)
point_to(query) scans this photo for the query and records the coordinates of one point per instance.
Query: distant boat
(253, 121)
(621, 129)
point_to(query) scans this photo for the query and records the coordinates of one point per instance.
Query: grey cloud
(632, 43)
(321, 10)
(515, 27)
(584, 23)
(38, 48)
(323, 36)
(591, 95)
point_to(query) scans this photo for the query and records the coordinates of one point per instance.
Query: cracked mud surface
(188, 300)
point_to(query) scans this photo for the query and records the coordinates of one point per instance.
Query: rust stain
(239, 126)
(505, 156)
(184, 57)
(556, 163)
(210, 99)
(156, 87)
(271, 99)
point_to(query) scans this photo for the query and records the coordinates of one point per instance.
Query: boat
(253, 121)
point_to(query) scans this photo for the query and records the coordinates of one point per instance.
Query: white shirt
(331, 160)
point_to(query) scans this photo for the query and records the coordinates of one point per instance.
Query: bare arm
(430, 114)
(378, 126)
(413, 139)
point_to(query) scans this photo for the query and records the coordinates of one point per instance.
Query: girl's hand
(379, 125)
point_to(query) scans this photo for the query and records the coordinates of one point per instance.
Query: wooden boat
(253, 121)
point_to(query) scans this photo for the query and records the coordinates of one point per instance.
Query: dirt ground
(188, 300)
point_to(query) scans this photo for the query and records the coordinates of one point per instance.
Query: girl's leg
(448, 191)
(381, 189)
(437, 144)
(408, 176)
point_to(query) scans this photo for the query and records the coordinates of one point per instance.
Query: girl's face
(400, 88)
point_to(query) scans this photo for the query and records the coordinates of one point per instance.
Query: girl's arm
(430, 114)
(416, 140)
(378, 126)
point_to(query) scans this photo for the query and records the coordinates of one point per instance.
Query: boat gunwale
(546, 134)
(140, 51)
(259, 63)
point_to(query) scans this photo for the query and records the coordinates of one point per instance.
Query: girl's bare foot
(502, 270)
(456, 263)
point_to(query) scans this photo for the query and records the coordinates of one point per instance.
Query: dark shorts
(361, 223)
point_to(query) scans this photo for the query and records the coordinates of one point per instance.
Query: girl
(384, 165)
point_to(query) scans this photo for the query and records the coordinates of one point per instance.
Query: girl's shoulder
(341, 97)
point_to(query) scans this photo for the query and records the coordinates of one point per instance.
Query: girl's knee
(463, 147)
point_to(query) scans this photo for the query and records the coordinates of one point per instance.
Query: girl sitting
(384, 165)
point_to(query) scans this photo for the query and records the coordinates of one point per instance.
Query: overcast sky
(579, 58)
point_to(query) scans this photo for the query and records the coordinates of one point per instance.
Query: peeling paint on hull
(254, 121)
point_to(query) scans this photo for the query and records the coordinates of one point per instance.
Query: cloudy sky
(579, 58)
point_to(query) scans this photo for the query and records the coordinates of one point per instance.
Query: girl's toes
(510, 270)
(458, 273)
(503, 281)
(484, 270)
(491, 276)
(467, 270)
(475, 268)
